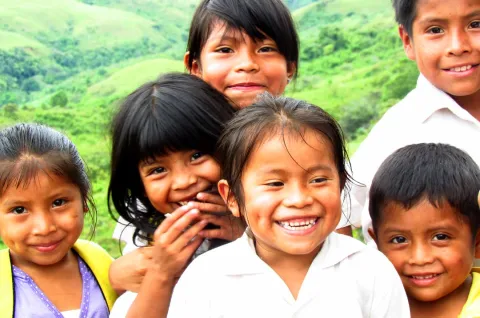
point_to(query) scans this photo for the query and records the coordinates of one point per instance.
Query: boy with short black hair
(443, 38)
(426, 220)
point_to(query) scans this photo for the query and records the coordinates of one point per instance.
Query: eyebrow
(444, 20)
(318, 167)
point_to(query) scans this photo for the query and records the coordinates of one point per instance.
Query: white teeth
(425, 277)
(298, 226)
(461, 69)
(183, 202)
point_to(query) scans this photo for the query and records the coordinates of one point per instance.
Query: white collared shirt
(426, 114)
(346, 279)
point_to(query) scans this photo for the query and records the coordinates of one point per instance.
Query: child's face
(174, 179)
(292, 194)
(431, 249)
(241, 68)
(446, 44)
(40, 223)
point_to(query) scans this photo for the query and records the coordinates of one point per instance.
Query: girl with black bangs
(164, 176)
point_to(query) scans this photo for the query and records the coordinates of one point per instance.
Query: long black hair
(174, 113)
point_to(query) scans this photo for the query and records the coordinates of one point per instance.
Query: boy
(426, 218)
(443, 38)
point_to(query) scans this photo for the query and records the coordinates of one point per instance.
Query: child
(442, 37)
(284, 167)
(44, 194)
(243, 48)
(425, 215)
(163, 140)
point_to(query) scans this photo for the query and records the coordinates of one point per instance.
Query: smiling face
(431, 248)
(174, 179)
(40, 222)
(445, 43)
(241, 68)
(292, 195)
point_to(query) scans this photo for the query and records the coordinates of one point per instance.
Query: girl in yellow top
(44, 195)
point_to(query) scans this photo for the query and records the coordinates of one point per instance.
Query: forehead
(221, 30)
(422, 217)
(293, 150)
(445, 9)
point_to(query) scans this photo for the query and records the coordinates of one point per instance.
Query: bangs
(173, 119)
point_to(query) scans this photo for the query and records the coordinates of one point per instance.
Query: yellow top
(92, 254)
(471, 309)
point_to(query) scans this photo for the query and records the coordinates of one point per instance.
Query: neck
(448, 306)
(33, 269)
(470, 103)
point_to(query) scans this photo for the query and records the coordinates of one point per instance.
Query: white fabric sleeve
(122, 305)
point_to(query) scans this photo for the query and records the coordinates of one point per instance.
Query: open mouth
(212, 189)
(298, 225)
(424, 277)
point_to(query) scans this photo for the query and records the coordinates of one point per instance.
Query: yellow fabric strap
(471, 309)
(6, 285)
(98, 260)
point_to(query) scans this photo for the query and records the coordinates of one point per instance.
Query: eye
(475, 24)
(197, 155)
(19, 210)
(59, 202)
(398, 240)
(319, 180)
(435, 30)
(275, 184)
(224, 50)
(440, 237)
(268, 49)
(157, 170)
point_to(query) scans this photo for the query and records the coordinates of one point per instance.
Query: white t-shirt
(426, 114)
(346, 279)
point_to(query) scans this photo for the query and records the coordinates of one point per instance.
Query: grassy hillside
(95, 52)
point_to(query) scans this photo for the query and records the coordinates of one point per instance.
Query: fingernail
(194, 211)
(191, 203)
(199, 196)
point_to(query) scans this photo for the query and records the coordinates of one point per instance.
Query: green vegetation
(67, 63)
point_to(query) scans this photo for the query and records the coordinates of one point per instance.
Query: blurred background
(67, 64)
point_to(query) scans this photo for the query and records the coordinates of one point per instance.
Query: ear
(85, 207)
(291, 68)
(478, 199)
(195, 69)
(407, 42)
(372, 234)
(224, 190)
(477, 244)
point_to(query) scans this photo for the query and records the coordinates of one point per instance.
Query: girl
(44, 194)
(163, 139)
(284, 169)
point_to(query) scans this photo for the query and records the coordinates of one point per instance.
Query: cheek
(156, 194)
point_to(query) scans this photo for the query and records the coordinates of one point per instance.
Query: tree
(30, 85)
(59, 99)
(11, 110)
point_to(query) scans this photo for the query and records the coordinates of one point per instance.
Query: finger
(210, 208)
(220, 233)
(177, 228)
(184, 239)
(478, 199)
(172, 218)
(190, 249)
(210, 198)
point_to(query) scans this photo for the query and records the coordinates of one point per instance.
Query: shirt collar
(430, 99)
(243, 259)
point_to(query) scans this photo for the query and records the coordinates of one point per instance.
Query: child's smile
(292, 194)
(431, 248)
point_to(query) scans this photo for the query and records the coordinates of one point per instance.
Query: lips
(461, 68)
(185, 200)
(46, 247)
(247, 86)
(423, 279)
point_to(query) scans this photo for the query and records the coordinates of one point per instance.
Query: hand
(175, 241)
(214, 210)
(128, 271)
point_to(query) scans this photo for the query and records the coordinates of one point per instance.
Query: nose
(459, 43)
(183, 178)
(246, 61)
(421, 254)
(297, 197)
(44, 223)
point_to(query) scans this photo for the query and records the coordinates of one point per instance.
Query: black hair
(254, 124)
(438, 173)
(27, 149)
(174, 113)
(258, 19)
(405, 13)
